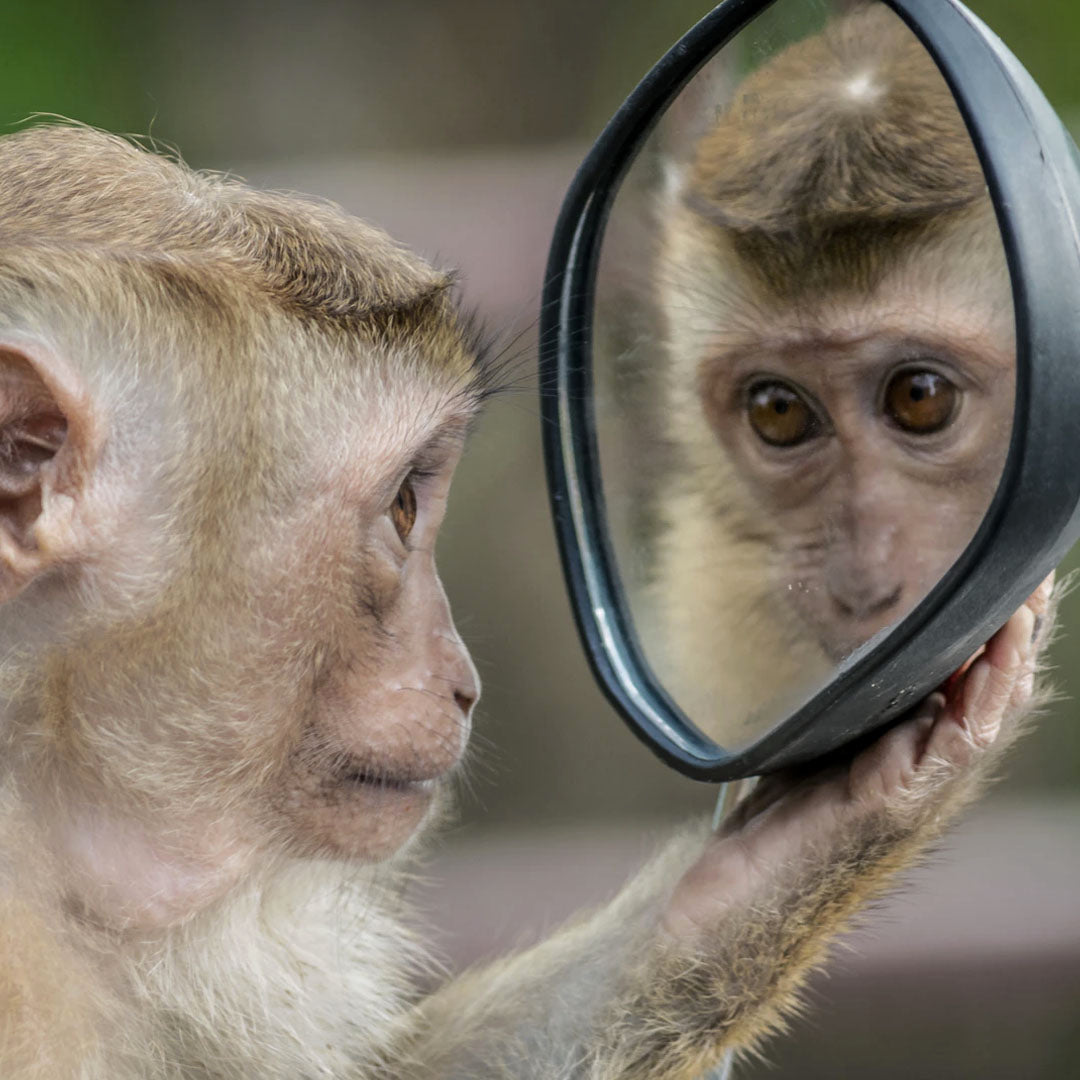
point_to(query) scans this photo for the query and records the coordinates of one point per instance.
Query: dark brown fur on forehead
(817, 183)
(76, 187)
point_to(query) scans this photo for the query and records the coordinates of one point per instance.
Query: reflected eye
(403, 509)
(920, 402)
(780, 415)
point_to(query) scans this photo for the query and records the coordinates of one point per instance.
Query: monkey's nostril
(867, 606)
(887, 602)
(464, 701)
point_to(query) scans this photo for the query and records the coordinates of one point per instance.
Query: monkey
(838, 363)
(233, 698)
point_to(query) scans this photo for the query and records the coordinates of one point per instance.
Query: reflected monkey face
(805, 424)
(869, 443)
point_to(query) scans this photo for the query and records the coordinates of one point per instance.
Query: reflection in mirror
(803, 360)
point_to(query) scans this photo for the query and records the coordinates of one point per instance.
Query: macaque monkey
(840, 367)
(232, 695)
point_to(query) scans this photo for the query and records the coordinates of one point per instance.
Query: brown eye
(920, 402)
(403, 509)
(780, 415)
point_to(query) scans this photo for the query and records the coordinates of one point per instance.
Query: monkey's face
(869, 447)
(226, 442)
(288, 679)
(392, 685)
(383, 687)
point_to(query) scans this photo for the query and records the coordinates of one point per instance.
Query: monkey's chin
(841, 646)
(360, 816)
(838, 649)
(839, 640)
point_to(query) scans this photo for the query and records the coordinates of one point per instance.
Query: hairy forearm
(537, 1013)
(688, 1001)
(618, 995)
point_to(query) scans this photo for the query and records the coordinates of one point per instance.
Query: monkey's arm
(708, 949)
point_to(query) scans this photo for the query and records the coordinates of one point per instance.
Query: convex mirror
(809, 380)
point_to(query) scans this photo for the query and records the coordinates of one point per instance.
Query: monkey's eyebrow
(449, 436)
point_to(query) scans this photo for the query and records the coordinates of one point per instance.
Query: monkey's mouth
(365, 778)
(335, 772)
(362, 806)
(360, 773)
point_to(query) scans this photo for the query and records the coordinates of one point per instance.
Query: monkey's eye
(403, 509)
(920, 402)
(780, 415)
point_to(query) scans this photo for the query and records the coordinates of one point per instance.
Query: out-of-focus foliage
(77, 58)
(444, 72)
(1044, 35)
(252, 77)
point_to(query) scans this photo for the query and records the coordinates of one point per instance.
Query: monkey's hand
(803, 853)
(707, 949)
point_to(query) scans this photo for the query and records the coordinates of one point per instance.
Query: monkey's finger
(1041, 603)
(955, 681)
(978, 705)
(889, 765)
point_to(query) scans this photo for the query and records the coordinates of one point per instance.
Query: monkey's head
(228, 424)
(840, 329)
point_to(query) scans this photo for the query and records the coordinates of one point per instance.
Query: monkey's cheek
(356, 820)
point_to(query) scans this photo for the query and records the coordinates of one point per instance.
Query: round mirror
(792, 408)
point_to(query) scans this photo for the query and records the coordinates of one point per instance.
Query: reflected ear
(47, 445)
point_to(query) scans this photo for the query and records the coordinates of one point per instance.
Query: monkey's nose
(863, 602)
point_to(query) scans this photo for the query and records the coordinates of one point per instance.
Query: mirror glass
(803, 361)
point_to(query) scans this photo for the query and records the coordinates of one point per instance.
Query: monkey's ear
(48, 439)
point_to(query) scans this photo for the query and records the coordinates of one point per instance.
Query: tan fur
(635, 1006)
(865, 148)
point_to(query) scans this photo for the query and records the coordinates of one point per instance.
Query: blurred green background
(457, 124)
(248, 79)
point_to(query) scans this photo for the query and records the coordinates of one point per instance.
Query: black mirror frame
(1033, 174)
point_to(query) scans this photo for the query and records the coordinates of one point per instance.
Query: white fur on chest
(306, 974)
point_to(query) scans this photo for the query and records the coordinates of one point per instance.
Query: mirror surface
(803, 361)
